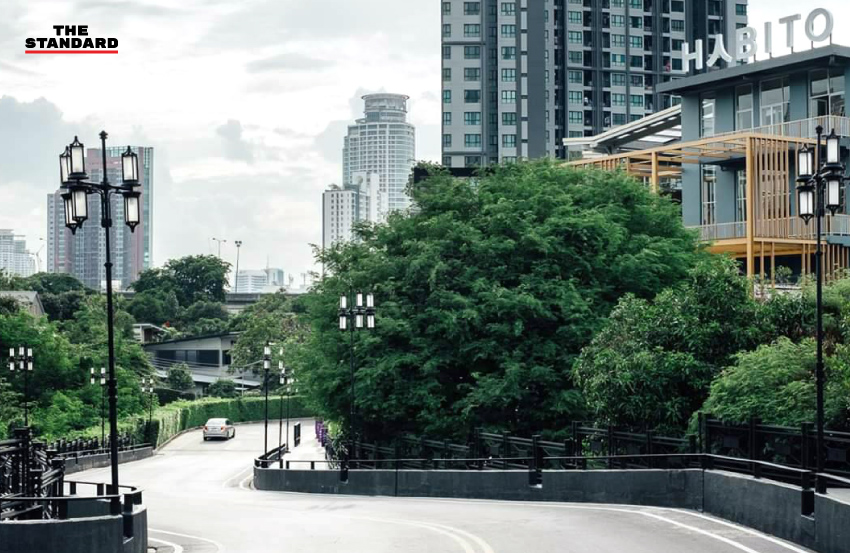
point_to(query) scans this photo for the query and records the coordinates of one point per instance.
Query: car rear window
(215, 422)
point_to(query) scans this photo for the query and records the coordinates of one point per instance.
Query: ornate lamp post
(72, 173)
(92, 381)
(354, 315)
(24, 362)
(818, 189)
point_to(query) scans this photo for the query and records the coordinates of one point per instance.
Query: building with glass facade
(520, 76)
(741, 128)
(15, 258)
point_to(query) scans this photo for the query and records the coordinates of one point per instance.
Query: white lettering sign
(746, 40)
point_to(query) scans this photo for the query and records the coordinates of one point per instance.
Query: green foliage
(154, 306)
(653, 362)
(10, 415)
(272, 319)
(222, 388)
(486, 293)
(180, 377)
(776, 384)
(192, 278)
(61, 294)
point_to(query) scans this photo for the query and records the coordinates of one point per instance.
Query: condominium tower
(519, 76)
(83, 254)
(15, 258)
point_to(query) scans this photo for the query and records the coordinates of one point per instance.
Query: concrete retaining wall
(101, 460)
(87, 535)
(768, 506)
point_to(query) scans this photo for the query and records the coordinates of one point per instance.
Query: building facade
(249, 281)
(520, 76)
(741, 130)
(361, 201)
(15, 258)
(382, 143)
(83, 254)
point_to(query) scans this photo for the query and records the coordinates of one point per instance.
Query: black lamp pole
(280, 415)
(267, 352)
(24, 362)
(147, 389)
(818, 189)
(72, 171)
(102, 403)
(353, 314)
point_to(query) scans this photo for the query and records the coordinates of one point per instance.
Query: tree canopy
(486, 293)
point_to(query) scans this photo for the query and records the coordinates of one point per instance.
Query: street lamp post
(24, 362)
(267, 363)
(280, 416)
(147, 388)
(72, 173)
(354, 315)
(236, 278)
(92, 381)
(818, 189)
(219, 240)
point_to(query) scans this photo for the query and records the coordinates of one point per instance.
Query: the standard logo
(71, 39)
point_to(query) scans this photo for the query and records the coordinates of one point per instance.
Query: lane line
(485, 547)
(218, 546)
(174, 546)
(465, 545)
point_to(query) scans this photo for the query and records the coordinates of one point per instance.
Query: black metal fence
(28, 470)
(91, 446)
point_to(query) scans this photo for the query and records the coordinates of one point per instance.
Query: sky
(245, 102)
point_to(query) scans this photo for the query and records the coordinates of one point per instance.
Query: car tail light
(222, 429)
(205, 429)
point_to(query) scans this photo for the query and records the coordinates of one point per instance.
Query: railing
(80, 450)
(784, 227)
(722, 231)
(801, 128)
(27, 469)
(271, 457)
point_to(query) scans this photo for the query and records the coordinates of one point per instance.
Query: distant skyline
(246, 105)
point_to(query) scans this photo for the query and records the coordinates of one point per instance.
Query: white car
(219, 428)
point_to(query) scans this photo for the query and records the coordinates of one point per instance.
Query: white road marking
(221, 548)
(174, 546)
(485, 547)
(465, 545)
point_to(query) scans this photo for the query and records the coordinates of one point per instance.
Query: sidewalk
(309, 449)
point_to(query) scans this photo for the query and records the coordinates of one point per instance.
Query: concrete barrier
(104, 534)
(87, 462)
(766, 505)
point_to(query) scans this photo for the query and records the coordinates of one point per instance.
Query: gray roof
(28, 297)
(799, 60)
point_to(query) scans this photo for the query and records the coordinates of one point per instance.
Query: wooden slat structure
(772, 229)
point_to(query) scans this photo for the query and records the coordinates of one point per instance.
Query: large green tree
(192, 278)
(486, 293)
(272, 319)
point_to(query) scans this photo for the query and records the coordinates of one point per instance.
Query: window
(618, 79)
(636, 100)
(447, 52)
(471, 8)
(472, 140)
(447, 161)
(447, 8)
(472, 52)
(616, 3)
(677, 6)
(827, 93)
(447, 118)
(618, 20)
(619, 119)
(576, 77)
(575, 37)
(708, 215)
(447, 96)
(636, 22)
(636, 61)
(509, 118)
(576, 57)
(447, 74)
(636, 41)
(509, 141)
(637, 80)
(509, 159)
(740, 195)
(472, 161)
(774, 101)
(740, 9)
(472, 30)
(618, 40)
(575, 97)
(706, 112)
(618, 99)
(471, 96)
(636, 4)
(575, 117)
(618, 60)
(472, 118)
(509, 96)
(508, 75)
(508, 52)
(471, 74)
(508, 8)
(447, 141)
(575, 17)
(447, 30)
(677, 25)
(508, 31)
(744, 107)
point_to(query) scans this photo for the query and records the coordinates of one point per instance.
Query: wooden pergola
(770, 229)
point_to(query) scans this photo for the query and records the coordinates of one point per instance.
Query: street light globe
(132, 210)
(129, 167)
(78, 160)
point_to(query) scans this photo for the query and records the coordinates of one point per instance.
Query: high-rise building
(362, 200)
(275, 277)
(519, 76)
(382, 142)
(83, 254)
(15, 259)
(251, 281)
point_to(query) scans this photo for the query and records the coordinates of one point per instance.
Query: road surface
(199, 499)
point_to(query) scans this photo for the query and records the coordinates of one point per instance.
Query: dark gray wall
(768, 506)
(87, 462)
(88, 535)
(536, 82)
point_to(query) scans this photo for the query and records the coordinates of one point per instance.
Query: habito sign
(746, 40)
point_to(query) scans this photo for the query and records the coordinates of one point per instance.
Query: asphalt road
(199, 499)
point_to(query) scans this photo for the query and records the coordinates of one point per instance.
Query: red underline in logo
(70, 51)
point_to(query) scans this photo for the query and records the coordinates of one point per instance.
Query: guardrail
(102, 451)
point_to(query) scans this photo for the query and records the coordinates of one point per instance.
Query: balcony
(802, 128)
(786, 227)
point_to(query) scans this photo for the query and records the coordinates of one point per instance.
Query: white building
(382, 142)
(275, 277)
(251, 282)
(15, 259)
(338, 215)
